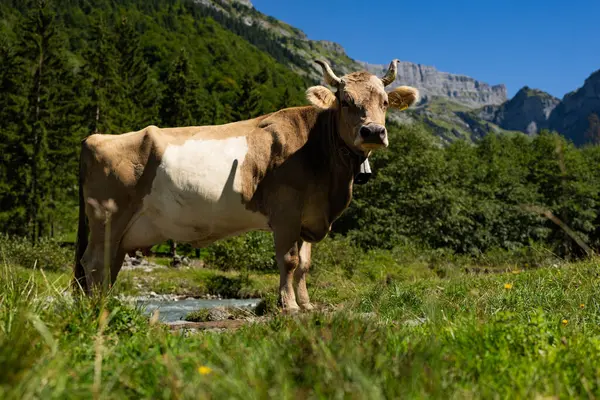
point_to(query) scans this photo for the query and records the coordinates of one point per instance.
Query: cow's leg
(286, 253)
(116, 264)
(94, 262)
(304, 253)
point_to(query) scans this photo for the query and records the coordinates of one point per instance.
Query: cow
(290, 172)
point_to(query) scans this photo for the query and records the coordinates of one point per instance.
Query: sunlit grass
(399, 331)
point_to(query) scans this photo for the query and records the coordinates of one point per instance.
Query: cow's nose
(373, 131)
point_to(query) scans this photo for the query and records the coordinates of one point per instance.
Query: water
(175, 310)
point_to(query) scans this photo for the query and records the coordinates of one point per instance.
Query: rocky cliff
(433, 83)
(572, 116)
(528, 111)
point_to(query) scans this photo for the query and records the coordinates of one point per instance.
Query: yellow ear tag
(404, 107)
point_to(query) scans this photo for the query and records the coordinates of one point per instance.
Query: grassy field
(389, 330)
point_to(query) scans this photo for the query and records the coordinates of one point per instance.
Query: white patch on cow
(196, 195)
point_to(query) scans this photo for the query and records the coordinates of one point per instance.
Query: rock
(185, 261)
(176, 261)
(433, 83)
(528, 111)
(246, 3)
(139, 263)
(415, 322)
(332, 46)
(218, 314)
(574, 116)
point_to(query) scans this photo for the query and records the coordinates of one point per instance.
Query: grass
(399, 329)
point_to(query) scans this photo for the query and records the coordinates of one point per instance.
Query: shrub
(228, 287)
(253, 251)
(46, 254)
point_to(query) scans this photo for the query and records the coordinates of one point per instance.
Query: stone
(176, 261)
(218, 314)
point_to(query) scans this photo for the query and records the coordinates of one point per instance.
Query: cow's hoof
(307, 306)
(291, 310)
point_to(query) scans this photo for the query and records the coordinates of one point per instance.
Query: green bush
(46, 254)
(253, 251)
(228, 287)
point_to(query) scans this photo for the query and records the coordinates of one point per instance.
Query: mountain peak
(527, 91)
(528, 111)
(571, 117)
(246, 3)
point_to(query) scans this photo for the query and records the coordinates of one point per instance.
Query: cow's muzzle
(373, 136)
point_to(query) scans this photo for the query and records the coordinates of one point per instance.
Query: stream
(176, 310)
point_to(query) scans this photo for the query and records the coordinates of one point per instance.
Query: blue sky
(550, 45)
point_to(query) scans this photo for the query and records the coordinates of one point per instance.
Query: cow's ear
(320, 96)
(403, 97)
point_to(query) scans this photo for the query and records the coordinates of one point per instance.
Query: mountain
(577, 114)
(453, 106)
(228, 40)
(528, 111)
(302, 52)
(433, 83)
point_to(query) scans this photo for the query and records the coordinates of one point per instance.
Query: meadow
(390, 324)
(462, 270)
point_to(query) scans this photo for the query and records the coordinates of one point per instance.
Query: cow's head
(361, 102)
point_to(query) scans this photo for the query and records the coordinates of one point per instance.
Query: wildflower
(581, 305)
(204, 370)
(516, 271)
(564, 321)
(508, 286)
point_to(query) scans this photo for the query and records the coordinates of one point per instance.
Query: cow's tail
(83, 229)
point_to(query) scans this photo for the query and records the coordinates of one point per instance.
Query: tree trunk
(35, 201)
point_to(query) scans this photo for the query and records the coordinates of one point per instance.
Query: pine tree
(103, 88)
(248, 101)
(263, 76)
(42, 52)
(182, 103)
(286, 99)
(139, 105)
(14, 168)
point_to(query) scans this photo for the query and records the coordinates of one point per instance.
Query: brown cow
(290, 172)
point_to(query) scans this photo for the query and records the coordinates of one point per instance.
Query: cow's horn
(330, 77)
(390, 75)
